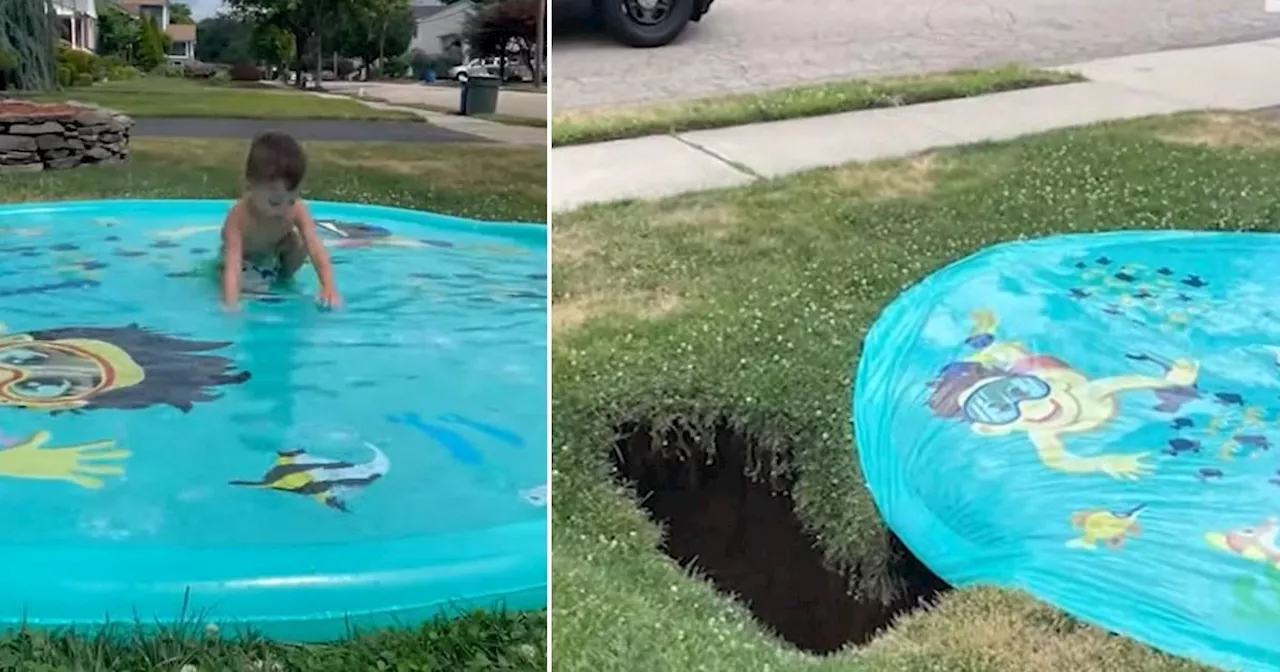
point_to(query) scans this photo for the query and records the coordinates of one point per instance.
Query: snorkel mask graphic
(61, 374)
(995, 401)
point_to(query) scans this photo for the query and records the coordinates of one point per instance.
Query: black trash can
(480, 94)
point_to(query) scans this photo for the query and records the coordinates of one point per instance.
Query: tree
(224, 39)
(374, 29)
(27, 30)
(500, 27)
(272, 45)
(180, 12)
(152, 46)
(118, 32)
(306, 20)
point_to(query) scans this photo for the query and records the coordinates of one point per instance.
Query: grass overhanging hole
(735, 523)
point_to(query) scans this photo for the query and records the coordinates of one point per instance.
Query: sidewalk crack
(740, 167)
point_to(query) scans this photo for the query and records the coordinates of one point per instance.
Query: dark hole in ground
(742, 533)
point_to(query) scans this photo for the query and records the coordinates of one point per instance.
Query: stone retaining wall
(36, 136)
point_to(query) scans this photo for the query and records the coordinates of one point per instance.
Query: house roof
(420, 12)
(69, 7)
(429, 9)
(181, 32)
(133, 5)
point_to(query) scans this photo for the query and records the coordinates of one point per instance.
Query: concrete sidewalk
(512, 102)
(1230, 77)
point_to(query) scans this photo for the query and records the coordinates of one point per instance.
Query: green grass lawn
(745, 309)
(474, 180)
(178, 97)
(509, 119)
(574, 127)
(474, 642)
(482, 180)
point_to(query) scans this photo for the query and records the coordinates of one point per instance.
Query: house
(77, 23)
(182, 47)
(438, 26)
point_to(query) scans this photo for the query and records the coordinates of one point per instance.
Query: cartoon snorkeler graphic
(1002, 388)
(83, 368)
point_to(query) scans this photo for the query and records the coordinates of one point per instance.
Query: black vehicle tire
(624, 28)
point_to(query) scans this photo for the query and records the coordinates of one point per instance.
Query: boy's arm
(315, 248)
(232, 253)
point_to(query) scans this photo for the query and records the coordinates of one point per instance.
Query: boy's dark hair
(276, 156)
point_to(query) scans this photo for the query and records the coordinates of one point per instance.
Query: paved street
(349, 130)
(511, 102)
(1229, 77)
(744, 45)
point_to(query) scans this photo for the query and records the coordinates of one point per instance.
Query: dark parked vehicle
(644, 23)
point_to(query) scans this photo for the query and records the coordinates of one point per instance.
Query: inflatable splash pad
(1093, 419)
(283, 469)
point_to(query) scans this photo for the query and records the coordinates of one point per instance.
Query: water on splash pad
(447, 323)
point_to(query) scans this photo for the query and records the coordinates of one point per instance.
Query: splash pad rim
(299, 592)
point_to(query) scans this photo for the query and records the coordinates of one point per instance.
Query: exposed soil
(743, 535)
(27, 109)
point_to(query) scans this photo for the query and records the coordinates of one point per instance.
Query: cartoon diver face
(61, 374)
(1005, 400)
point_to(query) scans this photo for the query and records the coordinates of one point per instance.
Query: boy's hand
(329, 298)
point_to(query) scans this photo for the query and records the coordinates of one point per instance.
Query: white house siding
(79, 20)
(436, 24)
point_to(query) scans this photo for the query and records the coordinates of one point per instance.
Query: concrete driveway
(745, 45)
(514, 103)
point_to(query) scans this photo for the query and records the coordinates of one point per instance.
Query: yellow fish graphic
(1108, 527)
(326, 481)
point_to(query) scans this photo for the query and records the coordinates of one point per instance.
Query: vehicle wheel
(462, 77)
(645, 23)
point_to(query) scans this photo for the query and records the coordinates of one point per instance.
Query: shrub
(8, 68)
(393, 67)
(245, 71)
(420, 62)
(80, 62)
(112, 62)
(113, 68)
(84, 79)
(66, 75)
(166, 70)
(198, 70)
(346, 66)
(122, 73)
(151, 46)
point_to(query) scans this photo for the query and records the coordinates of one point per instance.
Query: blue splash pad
(1092, 419)
(294, 471)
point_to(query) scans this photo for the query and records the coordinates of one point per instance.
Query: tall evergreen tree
(28, 34)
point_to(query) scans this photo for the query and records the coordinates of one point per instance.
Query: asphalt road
(349, 130)
(746, 45)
